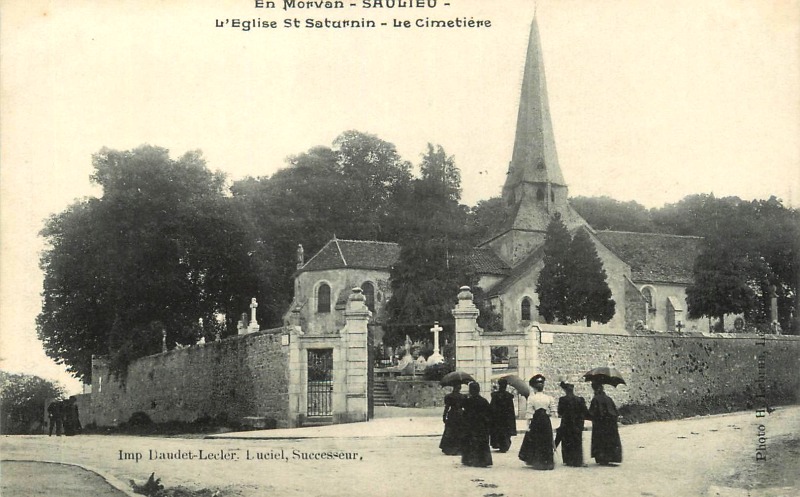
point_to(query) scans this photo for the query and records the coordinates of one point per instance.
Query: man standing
(55, 415)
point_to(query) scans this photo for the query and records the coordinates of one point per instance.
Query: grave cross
(253, 322)
(436, 329)
(680, 326)
(436, 357)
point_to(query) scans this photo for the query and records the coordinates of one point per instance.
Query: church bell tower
(535, 188)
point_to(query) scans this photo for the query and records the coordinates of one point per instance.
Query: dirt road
(708, 456)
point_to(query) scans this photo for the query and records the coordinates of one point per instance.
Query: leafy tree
(350, 190)
(605, 213)
(721, 283)
(433, 260)
(22, 402)
(161, 245)
(485, 218)
(572, 283)
(552, 286)
(589, 294)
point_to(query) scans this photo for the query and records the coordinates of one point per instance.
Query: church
(647, 273)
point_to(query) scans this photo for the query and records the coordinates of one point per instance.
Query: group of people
(473, 426)
(63, 417)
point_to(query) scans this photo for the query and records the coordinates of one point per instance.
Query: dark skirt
(537, 446)
(475, 451)
(501, 440)
(453, 437)
(571, 445)
(606, 445)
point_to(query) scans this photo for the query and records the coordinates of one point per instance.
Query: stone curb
(111, 480)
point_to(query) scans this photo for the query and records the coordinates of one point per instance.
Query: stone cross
(253, 322)
(436, 357)
(435, 330)
(680, 326)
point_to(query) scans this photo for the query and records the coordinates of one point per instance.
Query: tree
(485, 218)
(552, 286)
(161, 248)
(572, 283)
(722, 283)
(605, 213)
(433, 261)
(350, 190)
(589, 294)
(22, 402)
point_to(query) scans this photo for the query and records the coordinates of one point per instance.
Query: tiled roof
(361, 254)
(368, 254)
(485, 261)
(655, 257)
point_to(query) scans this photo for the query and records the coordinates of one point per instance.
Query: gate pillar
(472, 356)
(354, 388)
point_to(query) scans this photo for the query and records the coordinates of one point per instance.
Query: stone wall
(413, 392)
(233, 378)
(689, 373)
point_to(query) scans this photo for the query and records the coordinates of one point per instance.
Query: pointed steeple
(534, 159)
(535, 188)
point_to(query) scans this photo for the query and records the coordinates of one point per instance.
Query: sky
(651, 100)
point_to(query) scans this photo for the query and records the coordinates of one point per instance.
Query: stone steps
(381, 395)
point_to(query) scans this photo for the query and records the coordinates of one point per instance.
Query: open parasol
(455, 378)
(605, 376)
(515, 381)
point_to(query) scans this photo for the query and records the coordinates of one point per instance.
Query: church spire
(534, 158)
(535, 189)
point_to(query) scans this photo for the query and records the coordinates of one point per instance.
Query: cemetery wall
(680, 374)
(234, 378)
(416, 392)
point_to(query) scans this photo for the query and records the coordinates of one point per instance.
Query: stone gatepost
(353, 384)
(292, 346)
(472, 355)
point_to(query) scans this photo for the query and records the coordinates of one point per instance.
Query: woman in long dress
(572, 410)
(477, 420)
(504, 419)
(606, 445)
(537, 446)
(453, 422)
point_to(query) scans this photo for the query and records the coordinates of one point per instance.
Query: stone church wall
(236, 377)
(679, 373)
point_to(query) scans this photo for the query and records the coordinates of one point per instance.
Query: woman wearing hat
(606, 445)
(477, 419)
(572, 410)
(537, 446)
(504, 418)
(453, 435)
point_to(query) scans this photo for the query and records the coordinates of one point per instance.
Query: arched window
(324, 298)
(540, 194)
(369, 295)
(526, 309)
(649, 296)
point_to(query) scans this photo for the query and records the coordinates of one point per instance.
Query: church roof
(485, 261)
(520, 270)
(368, 254)
(354, 254)
(655, 257)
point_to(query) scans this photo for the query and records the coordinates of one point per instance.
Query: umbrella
(455, 377)
(605, 376)
(518, 383)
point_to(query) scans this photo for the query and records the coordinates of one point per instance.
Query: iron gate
(320, 382)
